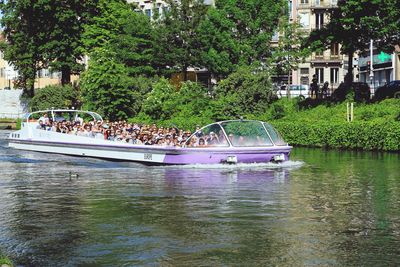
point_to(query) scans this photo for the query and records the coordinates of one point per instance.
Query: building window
(319, 54)
(304, 19)
(334, 2)
(335, 49)
(2, 72)
(319, 20)
(304, 2)
(290, 9)
(148, 12)
(304, 71)
(275, 37)
(334, 75)
(320, 75)
(317, 2)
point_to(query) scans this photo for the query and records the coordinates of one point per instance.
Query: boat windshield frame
(94, 115)
(220, 123)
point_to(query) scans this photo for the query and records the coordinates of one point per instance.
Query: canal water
(323, 208)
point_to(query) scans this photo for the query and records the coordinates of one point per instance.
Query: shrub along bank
(375, 126)
(374, 135)
(4, 260)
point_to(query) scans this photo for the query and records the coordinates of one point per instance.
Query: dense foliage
(185, 108)
(106, 87)
(117, 28)
(44, 34)
(375, 126)
(237, 33)
(5, 260)
(370, 135)
(55, 96)
(246, 91)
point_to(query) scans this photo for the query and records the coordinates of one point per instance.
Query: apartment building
(328, 66)
(45, 77)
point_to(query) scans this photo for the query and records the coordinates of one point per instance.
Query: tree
(55, 96)
(354, 23)
(117, 27)
(105, 87)
(176, 39)
(23, 33)
(63, 24)
(41, 34)
(246, 91)
(238, 33)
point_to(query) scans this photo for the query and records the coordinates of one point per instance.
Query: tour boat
(232, 141)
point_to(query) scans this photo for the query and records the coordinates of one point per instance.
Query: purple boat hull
(157, 154)
(214, 157)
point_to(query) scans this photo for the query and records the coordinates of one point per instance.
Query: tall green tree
(238, 32)
(248, 90)
(118, 27)
(23, 34)
(41, 34)
(63, 23)
(354, 23)
(106, 87)
(177, 40)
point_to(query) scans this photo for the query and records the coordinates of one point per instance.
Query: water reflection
(337, 208)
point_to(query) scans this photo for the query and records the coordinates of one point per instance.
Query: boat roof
(95, 115)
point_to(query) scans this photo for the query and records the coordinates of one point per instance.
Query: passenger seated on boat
(78, 119)
(202, 142)
(193, 142)
(134, 140)
(87, 130)
(213, 139)
(111, 135)
(41, 125)
(146, 141)
(168, 141)
(44, 118)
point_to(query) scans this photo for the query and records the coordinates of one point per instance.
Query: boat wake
(287, 165)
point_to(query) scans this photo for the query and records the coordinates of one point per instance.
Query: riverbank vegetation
(375, 126)
(4, 260)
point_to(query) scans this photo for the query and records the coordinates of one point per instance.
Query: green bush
(5, 260)
(246, 91)
(184, 108)
(372, 135)
(107, 89)
(55, 96)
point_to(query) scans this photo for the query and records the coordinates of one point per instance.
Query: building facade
(45, 77)
(328, 66)
(381, 69)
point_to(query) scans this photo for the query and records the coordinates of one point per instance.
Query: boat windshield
(243, 133)
(209, 136)
(276, 137)
(246, 133)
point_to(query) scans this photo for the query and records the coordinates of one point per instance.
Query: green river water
(323, 208)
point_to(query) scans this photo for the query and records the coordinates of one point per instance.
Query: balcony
(316, 4)
(323, 4)
(326, 59)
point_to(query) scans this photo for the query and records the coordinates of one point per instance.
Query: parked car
(294, 91)
(389, 90)
(362, 92)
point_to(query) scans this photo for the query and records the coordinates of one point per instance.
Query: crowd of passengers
(132, 133)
